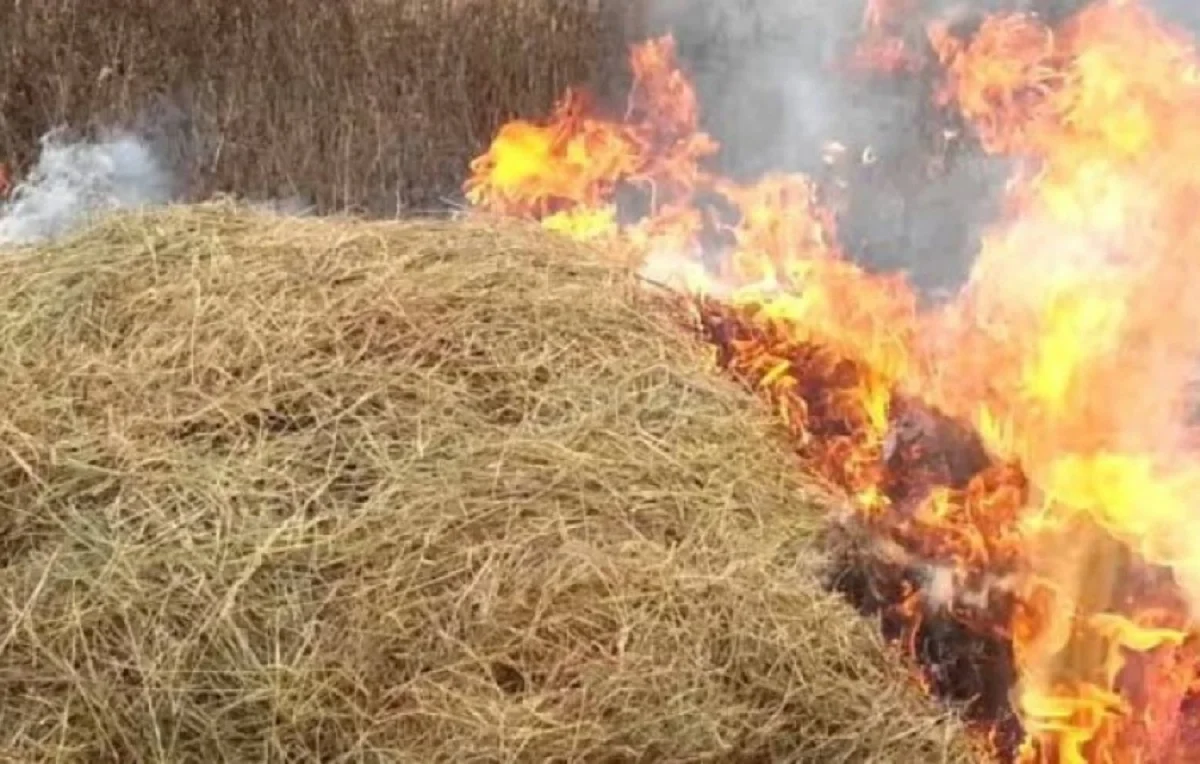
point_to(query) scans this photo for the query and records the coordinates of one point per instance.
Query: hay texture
(330, 491)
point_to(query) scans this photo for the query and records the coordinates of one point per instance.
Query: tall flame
(1070, 351)
(1089, 277)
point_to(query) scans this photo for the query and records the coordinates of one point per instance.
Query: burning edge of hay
(328, 490)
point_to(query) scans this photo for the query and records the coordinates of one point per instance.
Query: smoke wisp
(74, 181)
(77, 181)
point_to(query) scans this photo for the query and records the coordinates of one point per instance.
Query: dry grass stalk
(358, 104)
(323, 490)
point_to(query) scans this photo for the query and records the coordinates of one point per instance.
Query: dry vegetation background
(375, 106)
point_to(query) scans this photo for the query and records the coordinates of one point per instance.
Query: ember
(1016, 459)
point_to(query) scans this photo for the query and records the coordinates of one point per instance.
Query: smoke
(774, 91)
(1183, 13)
(75, 181)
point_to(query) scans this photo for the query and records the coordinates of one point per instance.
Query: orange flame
(1070, 534)
(882, 47)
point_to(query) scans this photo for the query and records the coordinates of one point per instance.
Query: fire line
(1018, 459)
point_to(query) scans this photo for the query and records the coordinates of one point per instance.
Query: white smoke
(73, 182)
(76, 182)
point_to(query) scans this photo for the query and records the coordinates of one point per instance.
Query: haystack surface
(323, 490)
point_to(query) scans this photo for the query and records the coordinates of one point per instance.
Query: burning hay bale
(316, 490)
(1020, 509)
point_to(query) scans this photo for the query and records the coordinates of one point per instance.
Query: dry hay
(305, 490)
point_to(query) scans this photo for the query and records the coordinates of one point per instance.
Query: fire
(882, 47)
(1024, 448)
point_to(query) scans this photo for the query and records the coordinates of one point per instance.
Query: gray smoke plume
(771, 91)
(75, 181)
(1185, 13)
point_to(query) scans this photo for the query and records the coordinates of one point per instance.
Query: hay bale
(318, 490)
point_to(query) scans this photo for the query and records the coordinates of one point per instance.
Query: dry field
(287, 490)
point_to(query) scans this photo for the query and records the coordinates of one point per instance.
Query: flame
(1027, 442)
(882, 47)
